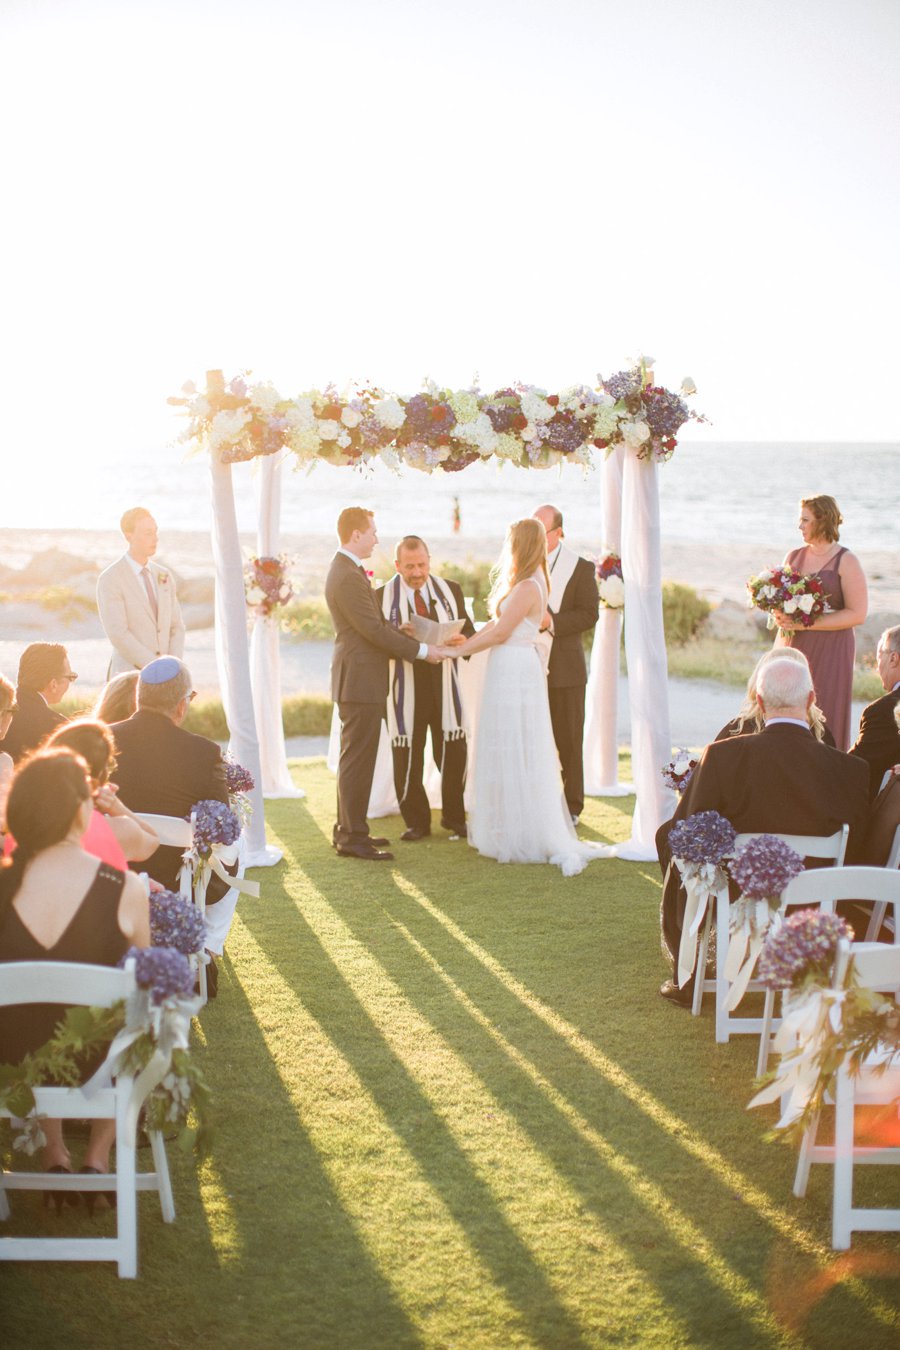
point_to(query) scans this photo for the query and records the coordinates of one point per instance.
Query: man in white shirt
(136, 598)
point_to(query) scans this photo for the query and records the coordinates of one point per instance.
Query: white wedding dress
(518, 812)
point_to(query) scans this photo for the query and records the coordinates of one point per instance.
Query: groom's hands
(435, 656)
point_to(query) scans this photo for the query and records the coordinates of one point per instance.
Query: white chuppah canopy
(632, 419)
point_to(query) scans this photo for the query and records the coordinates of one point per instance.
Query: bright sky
(531, 189)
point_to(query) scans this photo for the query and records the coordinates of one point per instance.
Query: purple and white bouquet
(610, 582)
(214, 823)
(761, 868)
(239, 782)
(801, 952)
(677, 773)
(700, 846)
(176, 922)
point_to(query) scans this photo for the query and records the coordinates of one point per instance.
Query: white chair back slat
(877, 966)
(84, 986)
(843, 883)
(833, 846)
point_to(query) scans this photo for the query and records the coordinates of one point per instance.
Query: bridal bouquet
(267, 585)
(677, 773)
(610, 583)
(784, 588)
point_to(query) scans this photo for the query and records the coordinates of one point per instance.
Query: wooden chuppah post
(232, 650)
(265, 647)
(601, 744)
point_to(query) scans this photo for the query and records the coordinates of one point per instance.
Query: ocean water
(717, 492)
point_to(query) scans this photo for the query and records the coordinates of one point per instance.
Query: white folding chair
(879, 911)
(26, 982)
(821, 889)
(832, 847)
(178, 833)
(877, 1082)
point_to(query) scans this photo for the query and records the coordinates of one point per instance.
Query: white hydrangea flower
(200, 407)
(304, 441)
(299, 413)
(478, 432)
(265, 396)
(529, 432)
(688, 387)
(227, 426)
(328, 429)
(351, 417)
(389, 413)
(536, 408)
(635, 433)
(464, 404)
(508, 446)
(343, 440)
(612, 592)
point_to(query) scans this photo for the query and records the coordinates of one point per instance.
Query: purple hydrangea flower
(705, 837)
(214, 823)
(622, 384)
(803, 947)
(426, 418)
(665, 412)
(564, 433)
(462, 460)
(764, 866)
(164, 971)
(237, 778)
(176, 922)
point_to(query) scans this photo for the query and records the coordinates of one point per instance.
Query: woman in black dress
(58, 903)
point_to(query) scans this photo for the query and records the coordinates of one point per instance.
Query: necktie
(421, 607)
(148, 587)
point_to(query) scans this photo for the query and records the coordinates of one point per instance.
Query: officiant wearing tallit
(425, 697)
(572, 609)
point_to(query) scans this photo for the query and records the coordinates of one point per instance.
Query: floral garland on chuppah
(439, 427)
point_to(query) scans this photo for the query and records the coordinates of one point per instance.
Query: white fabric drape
(265, 647)
(645, 654)
(601, 747)
(233, 656)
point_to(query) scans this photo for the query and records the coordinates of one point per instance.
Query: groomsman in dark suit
(573, 608)
(424, 696)
(364, 642)
(779, 781)
(45, 677)
(878, 742)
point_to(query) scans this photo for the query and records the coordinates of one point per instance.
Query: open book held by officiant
(435, 634)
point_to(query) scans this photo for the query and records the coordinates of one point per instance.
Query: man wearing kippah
(164, 770)
(136, 599)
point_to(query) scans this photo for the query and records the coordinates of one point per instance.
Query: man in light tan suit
(136, 598)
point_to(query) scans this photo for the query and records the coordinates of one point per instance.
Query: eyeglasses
(8, 712)
(192, 695)
(70, 676)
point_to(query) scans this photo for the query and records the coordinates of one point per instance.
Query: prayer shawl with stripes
(401, 704)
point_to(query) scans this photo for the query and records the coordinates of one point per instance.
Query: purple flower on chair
(802, 950)
(237, 778)
(764, 866)
(176, 922)
(214, 823)
(705, 837)
(163, 971)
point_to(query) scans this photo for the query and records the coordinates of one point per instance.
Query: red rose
(269, 566)
(601, 445)
(437, 413)
(443, 439)
(519, 422)
(553, 400)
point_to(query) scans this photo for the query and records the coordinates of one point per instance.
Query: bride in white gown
(519, 813)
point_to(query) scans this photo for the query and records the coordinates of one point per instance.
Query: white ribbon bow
(750, 922)
(799, 1040)
(701, 881)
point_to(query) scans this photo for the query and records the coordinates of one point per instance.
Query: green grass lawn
(453, 1112)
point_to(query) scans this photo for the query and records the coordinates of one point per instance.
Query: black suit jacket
(32, 721)
(578, 611)
(164, 770)
(363, 640)
(878, 742)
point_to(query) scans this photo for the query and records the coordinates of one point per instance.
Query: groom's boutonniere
(370, 576)
(162, 578)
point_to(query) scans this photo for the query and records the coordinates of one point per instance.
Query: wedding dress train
(518, 811)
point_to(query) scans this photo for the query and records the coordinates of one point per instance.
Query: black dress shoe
(411, 836)
(363, 851)
(682, 996)
(377, 841)
(459, 830)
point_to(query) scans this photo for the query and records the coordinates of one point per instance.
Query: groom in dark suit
(364, 642)
(878, 742)
(573, 608)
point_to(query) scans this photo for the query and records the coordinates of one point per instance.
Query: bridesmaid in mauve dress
(829, 644)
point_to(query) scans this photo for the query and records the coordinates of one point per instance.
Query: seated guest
(45, 675)
(782, 781)
(884, 817)
(57, 903)
(118, 698)
(750, 719)
(164, 770)
(878, 742)
(115, 835)
(7, 708)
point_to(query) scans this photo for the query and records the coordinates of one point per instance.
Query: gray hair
(783, 684)
(890, 639)
(165, 697)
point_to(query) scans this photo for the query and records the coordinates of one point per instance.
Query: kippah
(160, 671)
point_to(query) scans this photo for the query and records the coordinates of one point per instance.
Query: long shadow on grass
(306, 965)
(631, 1220)
(307, 1278)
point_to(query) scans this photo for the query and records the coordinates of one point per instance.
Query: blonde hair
(828, 517)
(750, 710)
(524, 553)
